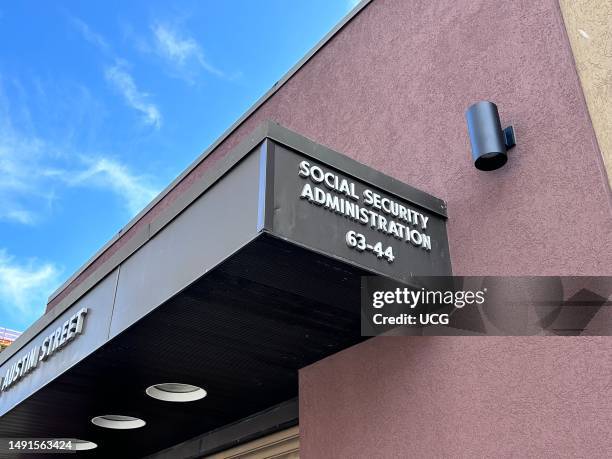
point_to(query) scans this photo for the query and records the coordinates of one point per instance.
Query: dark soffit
(242, 332)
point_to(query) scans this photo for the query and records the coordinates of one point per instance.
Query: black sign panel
(324, 208)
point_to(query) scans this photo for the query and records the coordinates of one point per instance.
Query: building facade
(387, 89)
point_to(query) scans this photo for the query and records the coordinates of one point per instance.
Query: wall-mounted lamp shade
(490, 142)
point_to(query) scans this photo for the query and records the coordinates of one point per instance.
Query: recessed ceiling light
(176, 392)
(83, 445)
(116, 421)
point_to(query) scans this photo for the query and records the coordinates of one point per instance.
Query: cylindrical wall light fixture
(489, 142)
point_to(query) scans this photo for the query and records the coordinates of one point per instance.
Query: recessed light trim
(117, 421)
(84, 445)
(176, 392)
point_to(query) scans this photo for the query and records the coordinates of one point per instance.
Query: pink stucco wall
(390, 91)
(460, 397)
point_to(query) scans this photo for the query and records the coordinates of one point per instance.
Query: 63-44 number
(358, 242)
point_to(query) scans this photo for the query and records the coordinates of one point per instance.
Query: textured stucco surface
(390, 91)
(589, 28)
(459, 397)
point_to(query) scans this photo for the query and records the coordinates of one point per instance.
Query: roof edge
(266, 130)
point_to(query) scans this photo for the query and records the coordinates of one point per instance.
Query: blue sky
(102, 104)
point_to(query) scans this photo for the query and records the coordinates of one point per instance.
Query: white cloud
(34, 172)
(136, 99)
(20, 216)
(89, 35)
(30, 179)
(136, 191)
(25, 286)
(180, 51)
(22, 169)
(119, 76)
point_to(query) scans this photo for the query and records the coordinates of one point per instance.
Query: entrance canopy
(252, 275)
